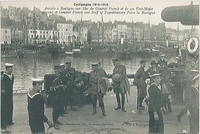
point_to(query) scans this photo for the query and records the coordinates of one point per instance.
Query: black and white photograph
(100, 67)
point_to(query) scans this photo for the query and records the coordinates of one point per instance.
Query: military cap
(56, 67)
(95, 63)
(68, 62)
(196, 77)
(155, 74)
(162, 55)
(115, 59)
(153, 62)
(8, 64)
(142, 61)
(62, 64)
(37, 80)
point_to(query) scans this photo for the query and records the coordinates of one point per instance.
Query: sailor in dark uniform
(139, 81)
(57, 91)
(8, 79)
(119, 74)
(94, 77)
(156, 124)
(162, 59)
(70, 74)
(3, 105)
(36, 108)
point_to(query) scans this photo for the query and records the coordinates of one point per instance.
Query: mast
(34, 26)
(102, 31)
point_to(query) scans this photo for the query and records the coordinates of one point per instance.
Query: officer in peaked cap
(154, 68)
(36, 101)
(162, 59)
(94, 77)
(70, 74)
(139, 81)
(56, 92)
(8, 83)
(119, 71)
(192, 105)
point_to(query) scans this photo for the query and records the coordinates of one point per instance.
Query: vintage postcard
(106, 67)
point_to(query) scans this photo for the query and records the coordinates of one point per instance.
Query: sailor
(3, 105)
(118, 79)
(36, 108)
(8, 79)
(70, 74)
(156, 124)
(162, 59)
(139, 81)
(94, 77)
(57, 91)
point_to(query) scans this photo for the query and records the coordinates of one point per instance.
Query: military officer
(162, 59)
(36, 108)
(166, 86)
(94, 76)
(8, 79)
(64, 79)
(57, 91)
(70, 74)
(119, 75)
(192, 105)
(154, 68)
(139, 81)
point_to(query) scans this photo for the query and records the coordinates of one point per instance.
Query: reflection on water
(29, 67)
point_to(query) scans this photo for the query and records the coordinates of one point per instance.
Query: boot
(118, 102)
(123, 101)
(103, 110)
(65, 111)
(72, 108)
(94, 110)
(118, 107)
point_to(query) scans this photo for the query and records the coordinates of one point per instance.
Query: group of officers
(65, 80)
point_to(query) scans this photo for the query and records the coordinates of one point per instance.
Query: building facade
(5, 36)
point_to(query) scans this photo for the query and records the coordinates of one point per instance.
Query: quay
(116, 122)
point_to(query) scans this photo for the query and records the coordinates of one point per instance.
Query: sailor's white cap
(8, 64)
(155, 74)
(37, 80)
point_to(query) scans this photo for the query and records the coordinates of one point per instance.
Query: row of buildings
(37, 31)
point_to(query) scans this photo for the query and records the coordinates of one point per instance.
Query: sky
(155, 6)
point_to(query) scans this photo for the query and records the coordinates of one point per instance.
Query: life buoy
(195, 47)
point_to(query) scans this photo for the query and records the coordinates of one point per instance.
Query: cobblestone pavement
(82, 121)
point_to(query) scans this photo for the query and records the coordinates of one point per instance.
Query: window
(46, 32)
(40, 36)
(6, 31)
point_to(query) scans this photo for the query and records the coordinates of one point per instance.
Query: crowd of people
(63, 84)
